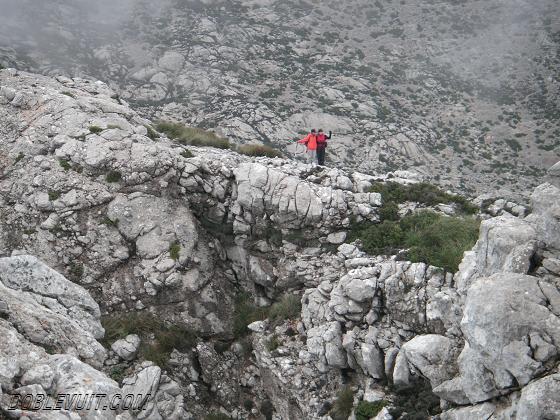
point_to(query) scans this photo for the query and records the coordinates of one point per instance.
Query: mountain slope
(465, 92)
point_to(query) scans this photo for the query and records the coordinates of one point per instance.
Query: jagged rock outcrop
(138, 226)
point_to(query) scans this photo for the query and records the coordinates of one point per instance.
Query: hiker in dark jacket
(322, 145)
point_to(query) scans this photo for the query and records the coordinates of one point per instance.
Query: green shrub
(187, 154)
(113, 176)
(158, 339)
(273, 343)
(94, 129)
(366, 410)
(342, 407)
(424, 193)
(152, 134)
(54, 195)
(174, 250)
(389, 211)
(245, 312)
(19, 157)
(429, 237)
(259, 150)
(289, 307)
(65, 164)
(192, 136)
(118, 373)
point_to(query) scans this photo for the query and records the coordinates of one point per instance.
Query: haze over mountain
(465, 91)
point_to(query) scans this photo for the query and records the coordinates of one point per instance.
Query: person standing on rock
(310, 142)
(322, 145)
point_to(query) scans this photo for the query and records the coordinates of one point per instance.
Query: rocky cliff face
(137, 226)
(450, 89)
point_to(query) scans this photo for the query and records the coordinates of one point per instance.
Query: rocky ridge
(137, 226)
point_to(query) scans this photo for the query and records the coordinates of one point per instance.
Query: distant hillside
(464, 92)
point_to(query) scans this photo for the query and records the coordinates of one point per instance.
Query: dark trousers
(321, 156)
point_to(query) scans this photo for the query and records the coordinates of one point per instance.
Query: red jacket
(310, 141)
(322, 140)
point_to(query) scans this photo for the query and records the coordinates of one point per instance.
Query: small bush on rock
(191, 135)
(343, 405)
(366, 410)
(94, 129)
(246, 312)
(289, 307)
(158, 339)
(174, 250)
(113, 176)
(424, 193)
(259, 150)
(273, 343)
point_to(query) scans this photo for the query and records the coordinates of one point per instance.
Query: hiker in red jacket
(322, 145)
(311, 142)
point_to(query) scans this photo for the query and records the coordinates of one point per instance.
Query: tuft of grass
(54, 195)
(65, 164)
(366, 410)
(113, 176)
(429, 237)
(174, 250)
(259, 150)
(67, 93)
(288, 307)
(152, 134)
(19, 157)
(272, 343)
(94, 129)
(342, 407)
(108, 222)
(187, 154)
(244, 313)
(191, 135)
(424, 193)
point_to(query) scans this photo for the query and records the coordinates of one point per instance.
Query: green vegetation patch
(192, 136)
(366, 410)
(158, 339)
(152, 134)
(113, 176)
(273, 342)
(288, 307)
(424, 193)
(94, 129)
(259, 150)
(429, 237)
(174, 250)
(54, 195)
(246, 312)
(343, 405)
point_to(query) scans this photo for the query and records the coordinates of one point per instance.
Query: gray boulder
(511, 325)
(127, 347)
(506, 243)
(540, 399)
(545, 202)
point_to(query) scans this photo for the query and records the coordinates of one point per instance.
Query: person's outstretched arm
(330, 135)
